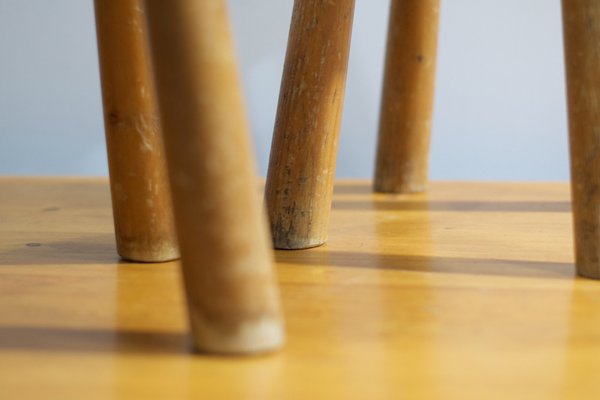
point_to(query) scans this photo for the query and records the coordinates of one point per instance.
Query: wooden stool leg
(304, 149)
(581, 22)
(226, 255)
(141, 201)
(407, 100)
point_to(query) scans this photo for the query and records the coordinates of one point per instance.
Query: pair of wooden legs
(303, 155)
(227, 265)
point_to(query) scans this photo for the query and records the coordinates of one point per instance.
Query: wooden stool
(227, 265)
(302, 164)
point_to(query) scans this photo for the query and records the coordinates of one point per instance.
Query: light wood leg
(407, 100)
(227, 262)
(581, 23)
(141, 201)
(305, 139)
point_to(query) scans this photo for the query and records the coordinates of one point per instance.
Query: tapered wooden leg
(226, 256)
(141, 201)
(581, 23)
(304, 148)
(407, 100)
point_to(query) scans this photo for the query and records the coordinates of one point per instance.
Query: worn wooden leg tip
(287, 239)
(251, 337)
(589, 274)
(166, 253)
(299, 245)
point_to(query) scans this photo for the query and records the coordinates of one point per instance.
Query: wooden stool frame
(226, 261)
(303, 154)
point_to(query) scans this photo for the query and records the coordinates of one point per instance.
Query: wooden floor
(466, 292)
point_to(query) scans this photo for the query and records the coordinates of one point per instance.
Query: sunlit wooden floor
(466, 292)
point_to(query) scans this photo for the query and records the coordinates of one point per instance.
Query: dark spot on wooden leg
(113, 118)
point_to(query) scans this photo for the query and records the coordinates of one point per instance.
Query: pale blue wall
(499, 111)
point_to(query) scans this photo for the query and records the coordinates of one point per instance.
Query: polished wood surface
(309, 115)
(467, 291)
(140, 192)
(581, 24)
(226, 256)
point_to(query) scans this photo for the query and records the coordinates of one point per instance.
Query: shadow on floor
(92, 340)
(83, 249)
(447, 265)
(462, 206)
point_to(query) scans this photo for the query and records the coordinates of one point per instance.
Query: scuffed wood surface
(581, 21)
(140, 193)
(305, 139)
(407, 101)
(227, 259)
